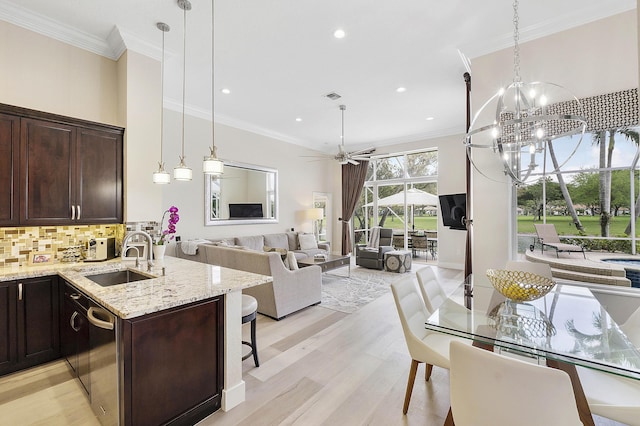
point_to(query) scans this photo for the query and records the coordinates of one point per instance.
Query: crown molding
(113, 47)
(542, 29)
(48, 27)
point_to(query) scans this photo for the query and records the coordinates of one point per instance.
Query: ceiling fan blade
(367, 151)
(352, 161)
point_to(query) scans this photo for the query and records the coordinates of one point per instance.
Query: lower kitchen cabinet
(29, 323)
(173, 364)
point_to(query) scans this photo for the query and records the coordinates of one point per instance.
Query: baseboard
(233, 396)
(448, 265)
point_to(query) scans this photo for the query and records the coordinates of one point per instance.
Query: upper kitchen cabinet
(9, 170)
(69, 170)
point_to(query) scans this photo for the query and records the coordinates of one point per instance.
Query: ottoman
(397, 261)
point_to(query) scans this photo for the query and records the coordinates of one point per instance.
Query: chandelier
(519, 122)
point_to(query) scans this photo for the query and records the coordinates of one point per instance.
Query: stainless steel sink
(118, 277)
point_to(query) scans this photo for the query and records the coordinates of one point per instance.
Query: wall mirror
(244, 194)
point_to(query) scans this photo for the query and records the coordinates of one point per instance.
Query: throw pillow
(291, 260)
(307, 241)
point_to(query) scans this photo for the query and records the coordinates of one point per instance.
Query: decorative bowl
(520, 286)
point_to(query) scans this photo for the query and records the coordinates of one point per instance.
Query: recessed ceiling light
(429, 118)
(339, 33)
(401, 89)
(225, 91)
(298, 119)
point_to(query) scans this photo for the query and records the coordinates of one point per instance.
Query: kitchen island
(165, 330)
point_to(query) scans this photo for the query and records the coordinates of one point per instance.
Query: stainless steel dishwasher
(103, 364)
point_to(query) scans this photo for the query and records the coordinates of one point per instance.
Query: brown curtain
(353, 177)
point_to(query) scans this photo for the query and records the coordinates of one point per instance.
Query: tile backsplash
(17, 242)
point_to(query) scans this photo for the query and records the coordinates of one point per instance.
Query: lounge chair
(548, 236)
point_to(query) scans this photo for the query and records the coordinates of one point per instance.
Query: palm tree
(564, 190)
(606, 155)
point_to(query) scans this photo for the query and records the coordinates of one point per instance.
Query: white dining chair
(538, 268)
(424, 346)
(492, 389)
(432, 292)
(611, 396)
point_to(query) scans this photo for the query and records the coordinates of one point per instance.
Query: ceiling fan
(345, 157)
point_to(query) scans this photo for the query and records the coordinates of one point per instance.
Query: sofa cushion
(253, 242)
(307, 241)
(277, 241)
(293, 240)
(292, 262)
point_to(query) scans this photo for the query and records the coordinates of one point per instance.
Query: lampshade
(161, 176)
(182, 172)
(315, 214)
(212, 165)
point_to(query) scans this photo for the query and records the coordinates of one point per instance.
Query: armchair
(373, 257)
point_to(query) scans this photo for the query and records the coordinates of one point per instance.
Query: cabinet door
(9, 168)
(8, 337)
(38, 320)
(99, 171)
(46, 173)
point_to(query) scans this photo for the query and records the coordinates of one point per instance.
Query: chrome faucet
(149, 248)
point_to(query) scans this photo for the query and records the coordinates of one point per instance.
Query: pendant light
(181, 171)
(161, 176)
(211, 164)
(518, 123)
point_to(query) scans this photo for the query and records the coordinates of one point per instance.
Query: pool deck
(573, 266)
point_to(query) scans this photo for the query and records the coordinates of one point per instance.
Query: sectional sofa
(290, 291)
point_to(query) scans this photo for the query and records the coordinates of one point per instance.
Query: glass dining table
(568, 327)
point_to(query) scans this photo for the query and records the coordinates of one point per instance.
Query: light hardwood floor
(318, 367)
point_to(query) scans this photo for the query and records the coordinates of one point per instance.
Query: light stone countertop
(184, 282)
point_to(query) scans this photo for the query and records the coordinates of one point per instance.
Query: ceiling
(279, 57)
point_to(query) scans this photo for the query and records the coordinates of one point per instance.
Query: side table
(397, 261)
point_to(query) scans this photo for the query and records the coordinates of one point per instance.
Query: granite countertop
(184, 282)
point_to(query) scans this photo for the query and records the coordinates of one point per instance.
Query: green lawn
(563, 224)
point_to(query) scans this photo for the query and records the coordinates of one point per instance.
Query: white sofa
(290, 291)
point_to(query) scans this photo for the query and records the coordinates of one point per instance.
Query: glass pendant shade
(161, 176)
(182, 172)
(212, 165)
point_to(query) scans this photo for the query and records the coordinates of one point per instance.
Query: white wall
(298, 177)
(47, 75)
(596, 58)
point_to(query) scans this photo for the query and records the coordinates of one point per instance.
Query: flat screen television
(454, 210)
(245, 210)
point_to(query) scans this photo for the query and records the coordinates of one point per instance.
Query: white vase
(158, 251)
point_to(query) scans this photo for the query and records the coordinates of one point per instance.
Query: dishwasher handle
(106, 322)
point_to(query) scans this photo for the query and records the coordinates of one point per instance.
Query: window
(384, 200)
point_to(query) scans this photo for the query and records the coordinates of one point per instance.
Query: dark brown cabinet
(62, 170)
(173, 364)
(9, 169)
(30, 323)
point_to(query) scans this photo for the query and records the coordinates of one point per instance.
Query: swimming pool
(631, 269)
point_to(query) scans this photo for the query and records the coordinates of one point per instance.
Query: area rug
(348, 294)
